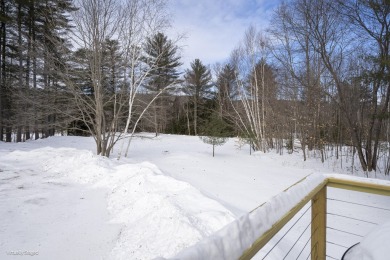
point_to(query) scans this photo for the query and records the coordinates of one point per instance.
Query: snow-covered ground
(60, 201)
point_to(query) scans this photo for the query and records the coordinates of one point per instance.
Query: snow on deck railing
(244, 237)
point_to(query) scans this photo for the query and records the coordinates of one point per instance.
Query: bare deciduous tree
(318, 43)
(249, 60)
(107, 111)
(292, 48)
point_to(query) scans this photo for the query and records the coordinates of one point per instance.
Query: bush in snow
(215, 131)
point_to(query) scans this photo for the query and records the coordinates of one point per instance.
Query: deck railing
(318, 200)
(303, 222)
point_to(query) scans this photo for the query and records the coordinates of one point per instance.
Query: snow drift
(149, 214)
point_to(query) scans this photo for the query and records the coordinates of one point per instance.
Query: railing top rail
(361, 185)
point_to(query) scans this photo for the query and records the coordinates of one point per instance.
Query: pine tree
(198, 85)
(163, 61)
(227, 88)
(53, 26)
(226, 84)
(215, 131)
(32, 46)
(162, 56)
(113, 68)
(5, 93)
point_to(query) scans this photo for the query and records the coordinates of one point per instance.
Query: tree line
(318, 74)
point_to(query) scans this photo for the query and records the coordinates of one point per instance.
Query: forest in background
(106, 68)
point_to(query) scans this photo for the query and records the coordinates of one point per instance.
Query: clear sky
(214, 28)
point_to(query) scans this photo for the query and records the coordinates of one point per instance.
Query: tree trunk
(34, 67)
(27, 132)
(2, 71)
(195, 116)
(5, 94)
(20, 72)
(188, 120)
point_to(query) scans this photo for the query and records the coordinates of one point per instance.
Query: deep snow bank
(157, 215)
(161, 215)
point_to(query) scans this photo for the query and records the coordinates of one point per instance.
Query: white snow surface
(374, 246)
(67, 203)
(58, 200)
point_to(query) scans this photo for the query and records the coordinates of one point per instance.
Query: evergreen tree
(227, 85)
(227, 88)
(161, 55)
(53, 27)
(113, 69)
(163, 61)
(198, 86)
(215, 131)
(33, 42)
(4, 90)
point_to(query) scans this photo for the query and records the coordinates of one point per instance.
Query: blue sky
(214, 28)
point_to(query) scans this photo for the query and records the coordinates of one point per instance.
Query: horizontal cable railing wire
(296, 241)
(333, 243)
(287, 232)
(362, 223)
(308, 255)
(348, 217)
(303, 248)
(345, 232)
(360, 204)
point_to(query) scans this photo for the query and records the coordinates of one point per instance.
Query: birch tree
(106, 110)
(148, 19)
(249, 60)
